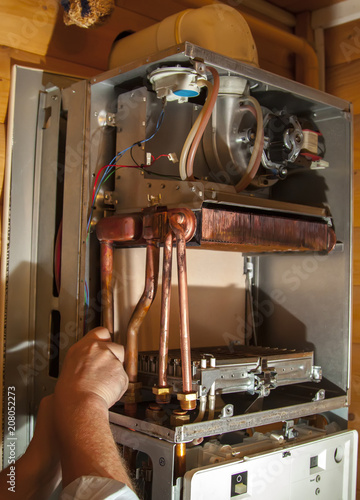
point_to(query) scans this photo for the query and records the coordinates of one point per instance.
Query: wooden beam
(304, 30)
(342, 44)
(27, 25)
(2, 171)
(356, 314)
(356, 135)
(356, 181)
(343, 81)
(356, 261)
(91, 47)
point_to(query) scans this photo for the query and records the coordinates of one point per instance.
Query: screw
(317, 491)
(162, 186)
(162, 461)
(177, 188)
(318, 478)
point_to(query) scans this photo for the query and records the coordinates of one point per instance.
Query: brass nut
(186, 396)
(162, 390)
(154, 413)
(134, 387)
(188, 405)
(163, 399)
(131, 397)
(176, 420)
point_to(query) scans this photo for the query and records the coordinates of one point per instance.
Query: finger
(99, 333)
(118, 350)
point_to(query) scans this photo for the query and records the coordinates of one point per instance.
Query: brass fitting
(179, 417)
(155, 413)
(132, 395)
(163, 394)
(134, 387)
(187, 400)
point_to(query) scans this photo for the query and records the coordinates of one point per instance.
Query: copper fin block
(258, 232)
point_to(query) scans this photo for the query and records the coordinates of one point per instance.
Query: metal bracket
(316, 373)
(106, 119)
(227, 411)
(265, 379)
(319, 396)
(289, 431)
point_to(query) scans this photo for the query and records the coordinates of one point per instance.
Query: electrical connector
(173, 157)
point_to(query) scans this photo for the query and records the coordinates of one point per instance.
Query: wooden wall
(342, 44)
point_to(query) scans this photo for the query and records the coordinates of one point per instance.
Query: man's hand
(93, 368)
(92, 379)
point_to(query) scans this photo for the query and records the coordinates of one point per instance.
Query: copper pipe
(183, 301)
(165, 309)
(106, 260)
(120, 228)
(180, 460)
(141, 309)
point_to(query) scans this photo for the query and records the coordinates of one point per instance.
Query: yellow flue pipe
(273, 34)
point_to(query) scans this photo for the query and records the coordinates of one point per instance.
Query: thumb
(99, 333)
(118, 350)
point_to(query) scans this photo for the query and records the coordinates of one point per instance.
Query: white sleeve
(97, 488)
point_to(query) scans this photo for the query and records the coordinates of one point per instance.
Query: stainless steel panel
(189, 432)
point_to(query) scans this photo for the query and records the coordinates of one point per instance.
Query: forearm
(87, 447)
(29, 478)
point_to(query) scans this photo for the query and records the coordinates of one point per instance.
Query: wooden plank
(304, 30)
(4, 81)
(356, 315)
(343, 81)
(2, 171)
(27, 25)
(302, 5)
(356, 181)
(355, 374)
(354, 424)
(356, 258)
(342, 43)
(91, 47)
(357, 142)
(156, 9)
(52, 65)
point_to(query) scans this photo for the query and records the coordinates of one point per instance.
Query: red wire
(160, 156)
(118, 166)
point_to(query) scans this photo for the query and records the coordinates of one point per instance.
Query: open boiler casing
(248, 239)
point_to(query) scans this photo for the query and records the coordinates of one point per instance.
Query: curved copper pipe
(141, 309)
(179, 232)
(106, 262)
(165, 309)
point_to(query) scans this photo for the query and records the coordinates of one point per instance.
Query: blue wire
(118, 156)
